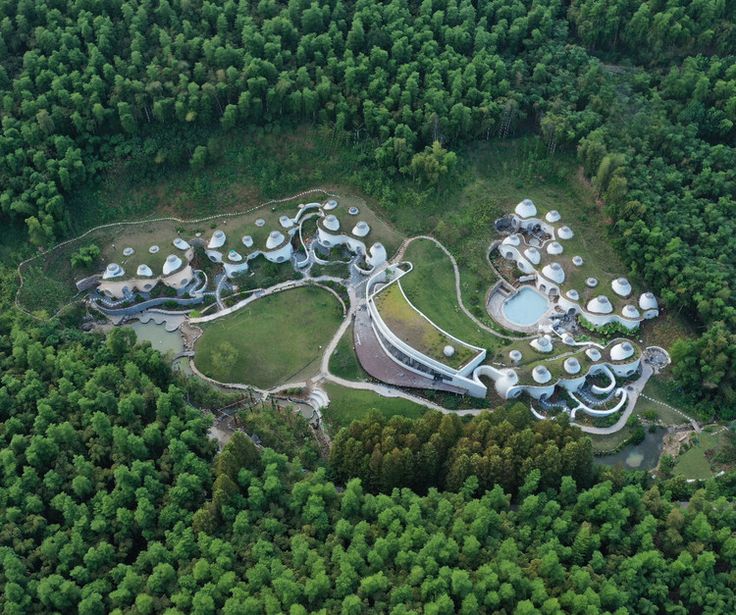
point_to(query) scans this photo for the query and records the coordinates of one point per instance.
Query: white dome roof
(181, 244)
(173, 262)
(622, 351)
(217, 240)
(555, 248)
(552, 216)
(448, 351)
(286, 222)
(330, 205)
(234, 256)
(533, 255)
(113, 270)
(512, 240)
(153, 249)
(630, 311)
(568, 339)
(144, 271)
(542, 344)
(260, 222)
(577, 260)
(128, 251)
(621, 287)
(572, 365)
(275, 238)
(565, 232)
(591, 282)
(526, 209)
(515, 356)
(361, 229)
(541, 374)
(600, 305)
(353, 211)
(247, 241)
(331, 223)
(573, 295)
(377, 253)
(648, 301)
(593, 354)
(554, 272)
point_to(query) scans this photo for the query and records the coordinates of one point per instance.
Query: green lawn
(693, 463)
(603, 444)
(346, 405)
(274, 340)
(344, 362)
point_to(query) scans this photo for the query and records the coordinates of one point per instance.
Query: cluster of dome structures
(235, 250)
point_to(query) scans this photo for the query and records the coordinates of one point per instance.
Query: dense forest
(645, 91)
(110, 503)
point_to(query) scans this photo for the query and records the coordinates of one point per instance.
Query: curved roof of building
(554, 272)
(512, 240)
(600, 305)
(621, 287)
(542, 343)
(144, 271)
(172, 263)
(573, 295)
(330, 205)
(361, 229)
(552, 216)
(593, 354)
(286, 222)
(217, 240)
(247, 241)
(353, 211)
(153, 250)
(448, 351)
(648, 301)
(541, 374)
(533, 255)
(622, 351)
(181, 244)
(565, 232)
(526, 209)
(630, 311)
(591, 282)
(128, 251)
(571, 365)
(234, 256)
(577, 260)
(275, 239)
(516, 356)
(555, 248)
(113, 270)
(331, 223)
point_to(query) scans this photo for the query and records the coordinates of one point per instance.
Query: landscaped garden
(277, 339)
(347, 405)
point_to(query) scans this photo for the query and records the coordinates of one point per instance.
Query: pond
(166, 342)
(643, 456)
(525, 307)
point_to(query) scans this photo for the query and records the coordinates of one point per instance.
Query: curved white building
(621, 287)
(600, 305)
(554, 272)
(526, 209)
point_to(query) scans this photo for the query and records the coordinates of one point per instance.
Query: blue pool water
(525, 307)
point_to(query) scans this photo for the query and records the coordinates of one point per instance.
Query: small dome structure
(448, 351)
(353, 211)
(621, 287)
(573, 295)
(113, 270)
(512, 240)
(234, 256)
(153, 249)
(552, 216)
(330, 205)
(376, 255)
(565, 232)
(217, 240)
(648, 301)
(331, 223)
(630, 311)
(181, 244)
(260, 222)
(361, 229)
(577, 260)
(554, 248)
(571, 365)
(144, 271)
(591, 282)
(541, 374)
(593, 354)
(526, 209)
(286, 222)
(128, 251)
(542, 344)
(515, 356)
(172, 263)
(554, 272)
(600, 305)
(247, 241)
(568, 339)
(533, 255)
(275, 239)
(622, 351)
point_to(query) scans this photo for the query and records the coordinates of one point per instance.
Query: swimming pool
(525, 307)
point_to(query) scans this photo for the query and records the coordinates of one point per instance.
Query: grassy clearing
(274, 340)
(602, 444)
(346, 405)
(695, 463)
(344, 362)
(663, 388)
